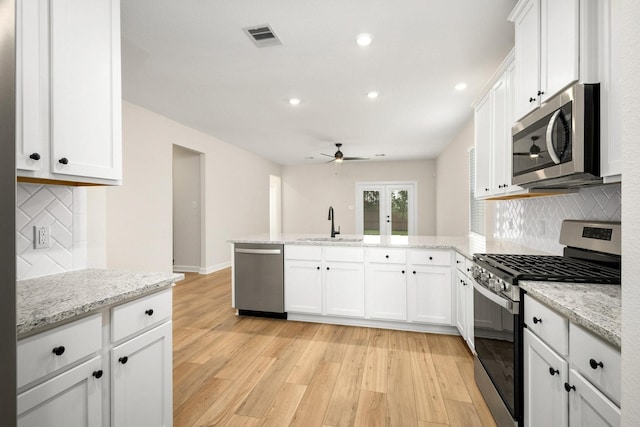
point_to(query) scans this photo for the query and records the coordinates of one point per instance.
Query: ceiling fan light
(338, 159)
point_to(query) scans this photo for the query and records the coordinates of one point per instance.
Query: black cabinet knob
(553, 371)
(63, 161)
(35, 156)
(414, 272)
(540, 92)
(531, 99)
(97, 374)
(536, 320)
(123, 360)
(327, 268)
(430, 258)
(468, 269)
(568, 387)
(386, 256)
(149, 312)
(318, 268)
(594, 364)
(457, 261)
(402, 271)
(486, 189)
(58, 351)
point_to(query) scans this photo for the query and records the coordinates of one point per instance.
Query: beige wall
(452, 185)
(139, 213)
(309, 190)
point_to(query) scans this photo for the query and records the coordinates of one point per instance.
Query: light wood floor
(241, 371)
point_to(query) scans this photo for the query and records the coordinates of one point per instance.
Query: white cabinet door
(387, 291)
(302, 287)
(527, 44)
(71, 399)
(430, 296)
(499, 147)
(461, 304)
(482, 120)
(344, 289)
(545, 373)
(141, 370)
(589, 407)
(559, 45)
(31, 83)
(85, 88)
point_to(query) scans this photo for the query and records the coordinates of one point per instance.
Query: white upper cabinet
(483, 166)
(68, 91)
(547, 45)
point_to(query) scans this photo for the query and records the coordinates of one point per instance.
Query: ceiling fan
(338, 157)
(534, 151)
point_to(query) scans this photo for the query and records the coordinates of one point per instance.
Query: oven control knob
(484, 277)
(494, 285)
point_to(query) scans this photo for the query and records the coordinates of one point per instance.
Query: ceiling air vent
(262, 35)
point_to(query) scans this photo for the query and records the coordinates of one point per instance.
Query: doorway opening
(387, 208)
(275, 205)
(188, 210)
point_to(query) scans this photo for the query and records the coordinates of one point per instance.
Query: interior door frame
(384, 187)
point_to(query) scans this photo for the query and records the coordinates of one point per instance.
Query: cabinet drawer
(342, 253)
(461, 261)
(551, 327)
(390, 256)
(307, 253)
(128, 319)
(596, 360)
(429, 257)
(71, 342)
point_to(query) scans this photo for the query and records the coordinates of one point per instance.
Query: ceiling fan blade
(328, 155)
(355, 158)
(332, 160)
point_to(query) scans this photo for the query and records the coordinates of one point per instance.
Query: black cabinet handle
(536, 320)
(457, 261)
(531, 99)
(35, 156)
(568, 387)
(386, 256)
(97, 374)
(149, 312)
(486, 189)
(318, 268)
(540, 92)
(468, 269)
(594, 364)
(402, 271)
(553, 371)
(63, 161)
(414, 272)
(123, 360)
(58, 351)
(462, 281)
(327, 268)
(430, 258)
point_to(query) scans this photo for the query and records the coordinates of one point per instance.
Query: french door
(385, 209)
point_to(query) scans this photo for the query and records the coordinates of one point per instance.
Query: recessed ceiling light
(364, 39)
(373, 94)
(461, 86)
(294, 101)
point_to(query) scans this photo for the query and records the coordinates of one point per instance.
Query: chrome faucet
(333, 228)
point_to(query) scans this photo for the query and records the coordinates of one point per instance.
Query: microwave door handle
(550, 148)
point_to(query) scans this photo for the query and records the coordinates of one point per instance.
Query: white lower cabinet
(71, 399)
(555, 391)
(430, 293)
(464, 312)
(142, 380)
(545, 372)
(589, 407)
(344, 289)
(303, 286)
(387, 291)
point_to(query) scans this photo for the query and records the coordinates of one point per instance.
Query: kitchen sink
(330, 239)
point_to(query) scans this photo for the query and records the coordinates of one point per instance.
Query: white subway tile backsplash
(536, 222)
(65, 213)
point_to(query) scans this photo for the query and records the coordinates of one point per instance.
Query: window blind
(476, 207)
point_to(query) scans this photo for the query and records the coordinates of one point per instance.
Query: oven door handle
(502, 302)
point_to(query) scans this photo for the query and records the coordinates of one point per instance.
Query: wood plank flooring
(241, 371)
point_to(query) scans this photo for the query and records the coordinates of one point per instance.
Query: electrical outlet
(41, 237)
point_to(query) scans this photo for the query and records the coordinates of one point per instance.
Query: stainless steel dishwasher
(259, 279)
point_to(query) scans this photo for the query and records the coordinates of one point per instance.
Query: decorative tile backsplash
(63, 210)
(535, 222)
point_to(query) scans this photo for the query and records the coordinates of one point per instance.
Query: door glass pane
(399, 212)
(371, 208)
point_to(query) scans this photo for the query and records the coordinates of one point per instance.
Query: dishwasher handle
(259, 251)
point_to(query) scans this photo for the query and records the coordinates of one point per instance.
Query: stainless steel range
(591, 255)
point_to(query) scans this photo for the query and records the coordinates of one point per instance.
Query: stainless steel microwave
(558, 145)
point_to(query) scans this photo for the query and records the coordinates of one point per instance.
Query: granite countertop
(44, 301)
(466, 245)
(597, 308)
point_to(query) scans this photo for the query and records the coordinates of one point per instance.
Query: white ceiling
(190, 61)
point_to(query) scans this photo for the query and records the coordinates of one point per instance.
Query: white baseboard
(186, 269)
(213, 269)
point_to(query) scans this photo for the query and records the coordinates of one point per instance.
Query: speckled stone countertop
(466, 245)
(598, 308)
(44, 301)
